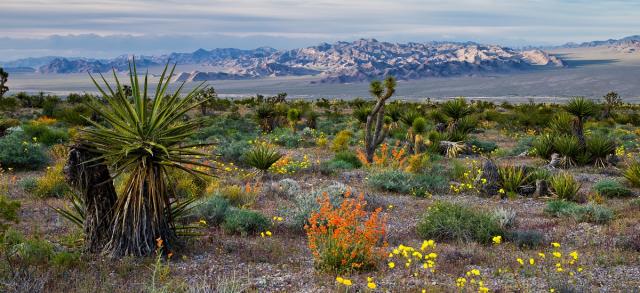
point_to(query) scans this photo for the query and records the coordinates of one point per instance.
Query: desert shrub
(8, 213)
(213, 209)
(341, 141)
(187, 186)
(9, 104)
(45, 134)
(286, 138)
(262, 156)
(332, 167)
(525, 144)
(346, 238)
(611, 188)
(244, 222)
(18, 152)
(233, 151)
(591, 213)
(348, 157)
(73, 114)
(419, 163)
(304, 204)
(28, 184)
(7, 123)
(635, 203)
(449, 221)
(52, 183)
(565, 186)
(632, 173)
(483, 146)
(505, 217)
(403, 182)
(287, 188)
(512, 178)
(526, 239)
(240, 196)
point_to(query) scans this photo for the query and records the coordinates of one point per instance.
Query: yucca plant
(581, 108)
(511, 178)
(562, 123)
(565, 186)
(265, 115)
(143, 136)
(456, 109)
(632, 173)
(293, 115)
(543, 146)
(568, 146)
(262, 157)
(599, 147)
(361, 113)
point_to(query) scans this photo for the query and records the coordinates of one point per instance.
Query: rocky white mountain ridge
(360, 60)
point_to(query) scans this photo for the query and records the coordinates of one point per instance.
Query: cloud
(112, 27)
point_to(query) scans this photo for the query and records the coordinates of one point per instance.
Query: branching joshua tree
(375, 130)
(205, 97)
(142, 138)
(611, 101)
(4, 77)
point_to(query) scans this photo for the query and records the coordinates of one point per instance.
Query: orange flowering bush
(347, 237)
(396, 157)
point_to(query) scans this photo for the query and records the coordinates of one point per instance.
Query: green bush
(591, 213)
(20, 153)
(526, 239)
(403, 182)
(565, 186)
(611, 188)
(348, 157)
(213, 209)
(449, 221)
(45, 134)
(244, 222)
(483, 146)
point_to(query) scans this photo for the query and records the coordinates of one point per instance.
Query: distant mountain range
(630, 41)
(341, 62)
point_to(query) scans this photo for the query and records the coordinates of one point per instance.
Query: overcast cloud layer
(107, 28)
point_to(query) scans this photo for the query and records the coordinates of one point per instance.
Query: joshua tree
(143, 138)
(206, 97)
(581, 108)
(4, 76)
(375, 136)
(611, 101)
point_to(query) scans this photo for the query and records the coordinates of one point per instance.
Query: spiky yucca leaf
(143, 135)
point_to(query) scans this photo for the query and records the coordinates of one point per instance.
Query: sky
(108, 28)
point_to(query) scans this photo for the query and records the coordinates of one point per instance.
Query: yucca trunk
(141, 213)
(91, 179)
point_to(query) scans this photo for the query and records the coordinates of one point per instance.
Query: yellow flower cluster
(344, 281)
(474, 278)
(287, 165)
(471, 180)
(559, 264)
(417, 262)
